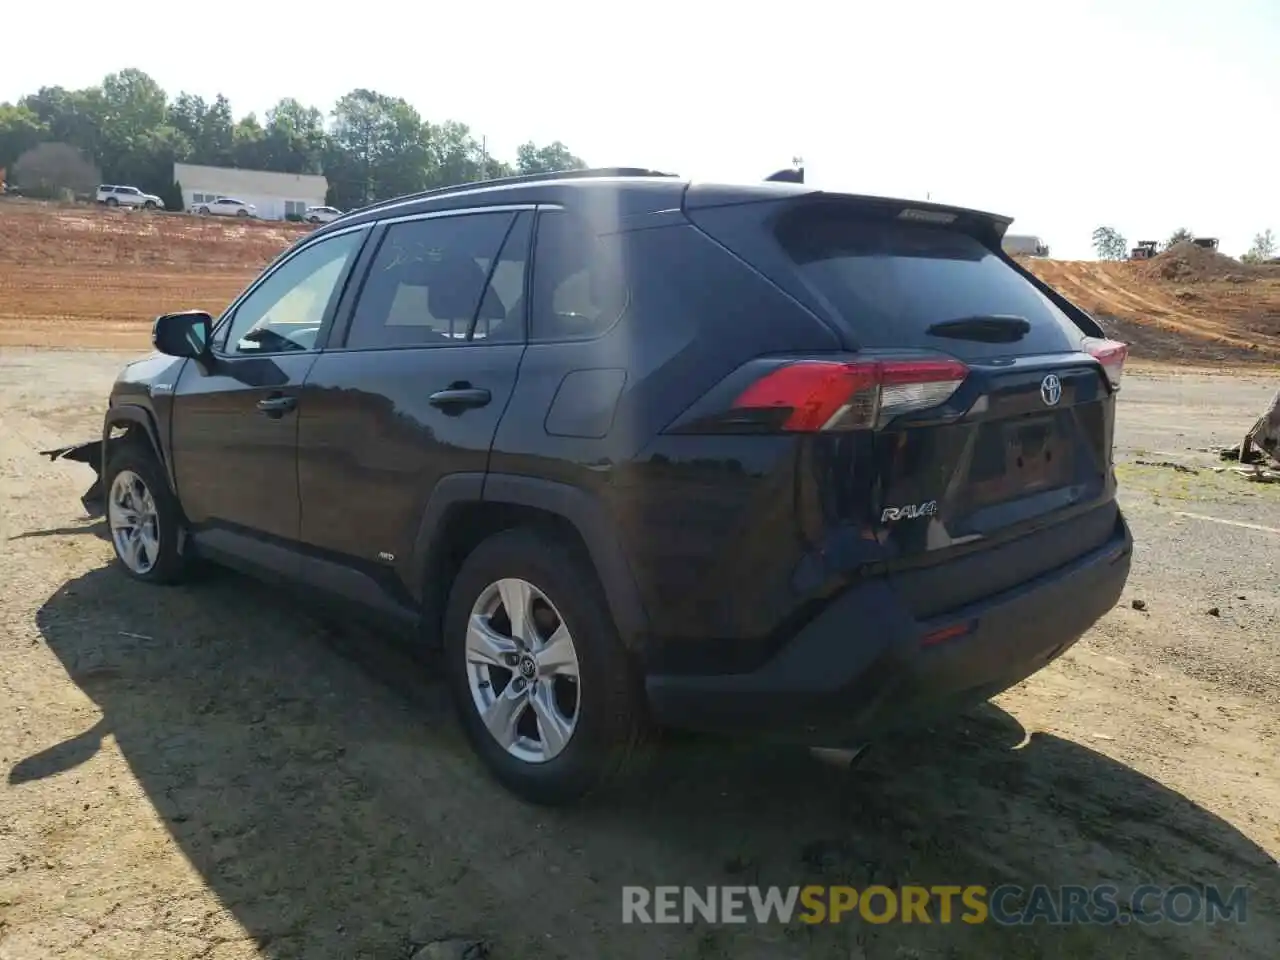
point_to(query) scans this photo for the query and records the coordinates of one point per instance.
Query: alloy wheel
(522, 670)
(134, 522)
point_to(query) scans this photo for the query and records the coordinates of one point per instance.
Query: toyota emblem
(1051, 390)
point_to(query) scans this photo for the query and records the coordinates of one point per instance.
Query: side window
(579, 284)
(501, 317)
(286, 310)
(425, 283)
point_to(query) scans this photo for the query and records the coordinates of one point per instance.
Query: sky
(1064, 114)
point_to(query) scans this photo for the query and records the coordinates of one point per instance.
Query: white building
(274, 194)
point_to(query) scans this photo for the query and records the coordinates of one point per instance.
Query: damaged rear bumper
(89, 453)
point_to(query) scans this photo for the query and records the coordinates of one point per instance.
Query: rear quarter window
(889, 281)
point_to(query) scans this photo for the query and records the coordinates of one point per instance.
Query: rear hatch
(981, 402)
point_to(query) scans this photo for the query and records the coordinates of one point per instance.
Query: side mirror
(183, 334)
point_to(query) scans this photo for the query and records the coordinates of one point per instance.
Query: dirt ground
(85, 276)
(1167, 310)
(209, 772)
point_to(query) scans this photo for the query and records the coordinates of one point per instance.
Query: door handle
(278, 406)
(460, 396)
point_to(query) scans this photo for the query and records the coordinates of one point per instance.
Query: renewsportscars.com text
(972, 904)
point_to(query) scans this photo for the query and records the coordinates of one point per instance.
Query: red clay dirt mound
(1187, 263)
(90, 277)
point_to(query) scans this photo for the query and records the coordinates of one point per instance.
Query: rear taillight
(1111, 354)
(832, 395)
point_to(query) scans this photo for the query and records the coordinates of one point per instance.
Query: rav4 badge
(910, 512)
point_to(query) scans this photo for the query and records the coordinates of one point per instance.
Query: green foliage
(530, 158)
(1110, 244)
(1263, 249)
(20, 130)
(173, 197)
(374, 147)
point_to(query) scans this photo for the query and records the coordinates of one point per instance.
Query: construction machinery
(1145, 250)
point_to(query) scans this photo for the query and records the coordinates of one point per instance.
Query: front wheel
(149, 205)
(203, 211)
(545, 691)
(143, 516)
(242, 213)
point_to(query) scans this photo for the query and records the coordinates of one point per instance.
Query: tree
(1181, 235)
(295, 138)
(20, 130)
(530, 158)
(1109, 244)
(1263, 249)
(377, 146)
(172, 197)
(53, 170)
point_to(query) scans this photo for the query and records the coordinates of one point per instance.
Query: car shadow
(311, 770)
(97, 528)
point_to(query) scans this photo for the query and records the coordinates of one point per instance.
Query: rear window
(890, 281)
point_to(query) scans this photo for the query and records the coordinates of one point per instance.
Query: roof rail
(505, 181)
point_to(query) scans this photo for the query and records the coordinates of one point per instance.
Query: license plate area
(1018, 457)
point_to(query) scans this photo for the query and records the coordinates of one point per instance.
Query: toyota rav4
(637, 452)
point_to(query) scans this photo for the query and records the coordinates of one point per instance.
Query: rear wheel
(112, 202)
(143, 516)
(544, 689)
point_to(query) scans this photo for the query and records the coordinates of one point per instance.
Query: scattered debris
(457, 949)
(1180, 467)
(1258, 473)
(135, 636)
(1214, 612)
(1265, 433)
(1139, 604)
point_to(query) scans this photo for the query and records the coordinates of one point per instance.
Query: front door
(235, 417)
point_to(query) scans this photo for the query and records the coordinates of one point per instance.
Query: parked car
(322, 214)
(638, 452)
(227, 207)
(118, 196)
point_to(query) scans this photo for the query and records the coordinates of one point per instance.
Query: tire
(149, 205)
(315, 220)
(242, 213)
(203, 211)
(112, 202)
(609, 726)
(129, 465)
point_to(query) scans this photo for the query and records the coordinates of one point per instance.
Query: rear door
(994, 414)
(414, 385)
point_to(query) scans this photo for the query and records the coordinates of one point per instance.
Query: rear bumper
(865, 667)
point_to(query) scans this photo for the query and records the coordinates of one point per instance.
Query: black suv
(639, 452)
